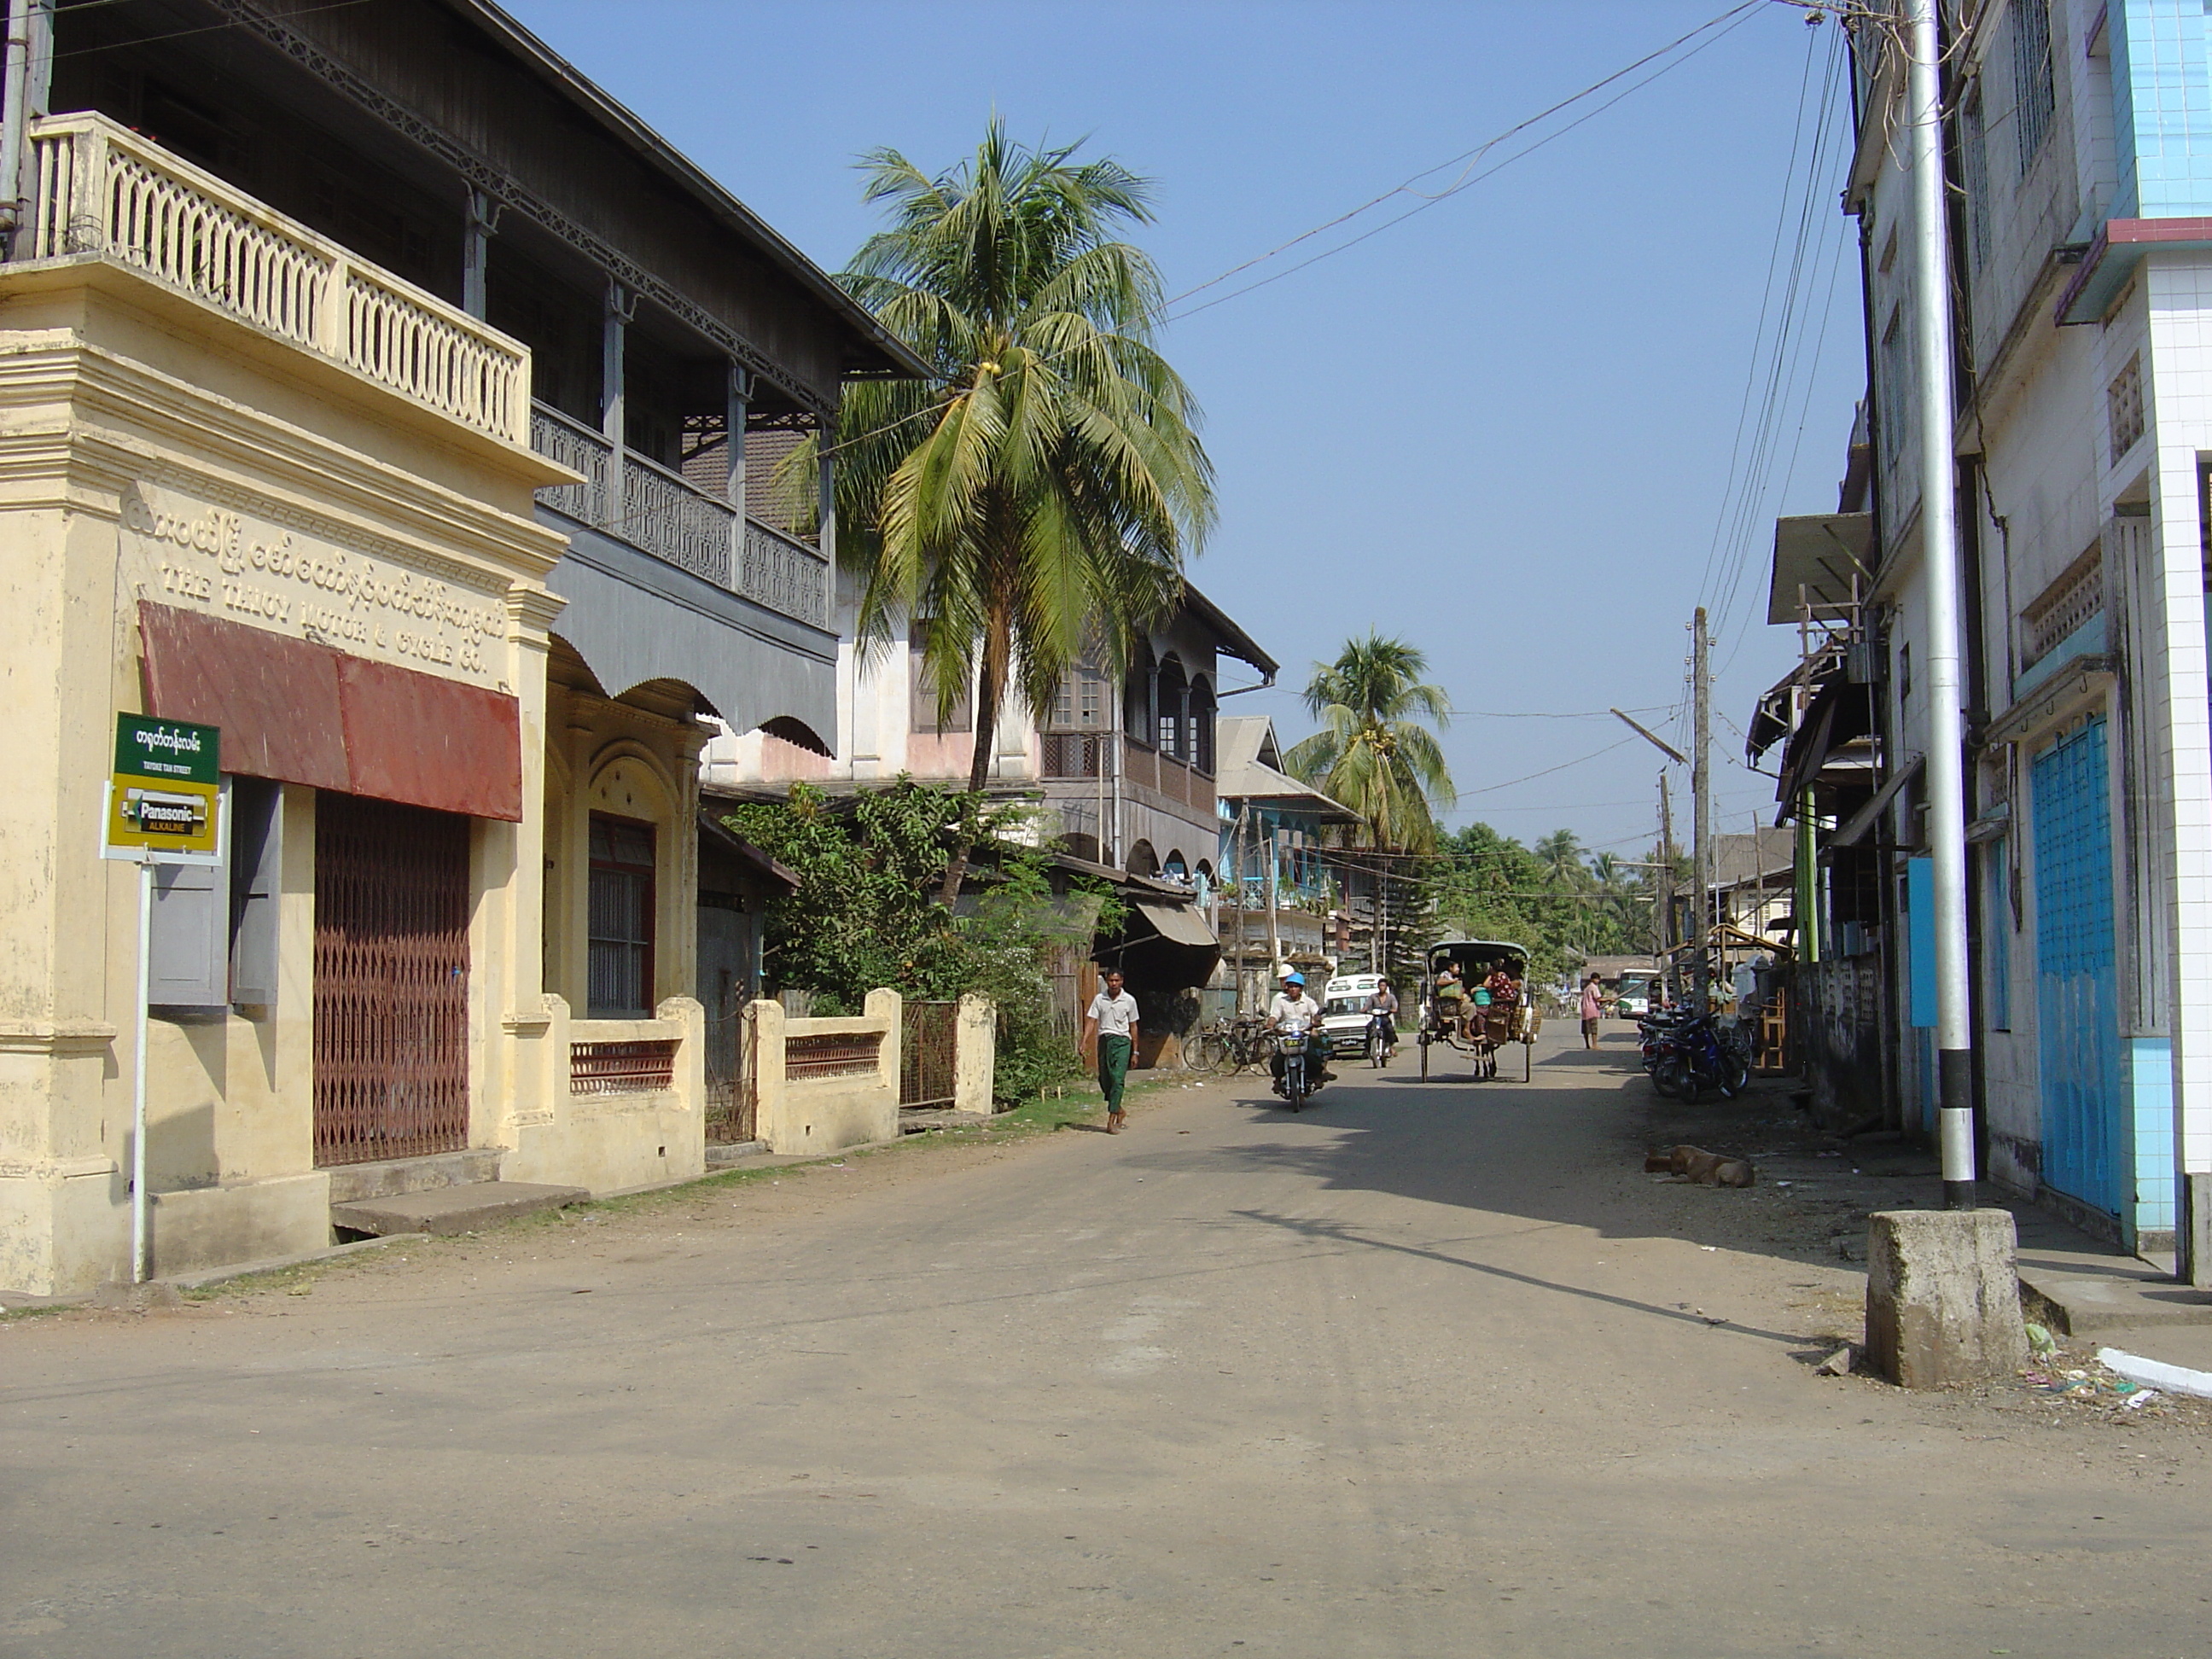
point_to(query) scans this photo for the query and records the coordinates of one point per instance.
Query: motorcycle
(1301, 1078)
(1696, 1056)
(1382, 1040)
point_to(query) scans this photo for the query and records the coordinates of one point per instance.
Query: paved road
(1427, 1371)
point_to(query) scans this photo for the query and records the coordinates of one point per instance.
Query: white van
(1344, 1012)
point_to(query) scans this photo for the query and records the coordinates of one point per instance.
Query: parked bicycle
(1230, 1045)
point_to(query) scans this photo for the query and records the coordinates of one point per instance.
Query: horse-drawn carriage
(1479, 1020)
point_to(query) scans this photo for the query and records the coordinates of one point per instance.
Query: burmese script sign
(164, 795)
(186, 553)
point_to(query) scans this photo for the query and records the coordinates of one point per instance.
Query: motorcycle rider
(1292, 1010)
(1382, 1012)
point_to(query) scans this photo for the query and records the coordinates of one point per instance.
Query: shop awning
(1854, 827)
(1179, 924)
(303, 712)
(1822, 559)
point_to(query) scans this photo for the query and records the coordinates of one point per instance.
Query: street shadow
(1564, 1149)
(1341, 1233)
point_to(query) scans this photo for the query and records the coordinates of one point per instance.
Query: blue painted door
(2077, 974)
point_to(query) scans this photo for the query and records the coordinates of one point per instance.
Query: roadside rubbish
(2041, 1339)
(2174, 1379)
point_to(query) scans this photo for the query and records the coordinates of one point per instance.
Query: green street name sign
(174, 751)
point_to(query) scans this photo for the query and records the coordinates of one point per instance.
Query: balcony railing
(663, 514)
(98, 188)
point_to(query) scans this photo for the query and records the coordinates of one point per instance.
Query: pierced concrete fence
(822, 1084)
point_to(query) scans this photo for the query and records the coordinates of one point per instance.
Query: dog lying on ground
(1708, 1168)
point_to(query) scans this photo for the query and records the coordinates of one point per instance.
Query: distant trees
(1560, 903)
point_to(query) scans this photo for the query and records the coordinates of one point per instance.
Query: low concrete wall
(612, 1142)
(825, 1114)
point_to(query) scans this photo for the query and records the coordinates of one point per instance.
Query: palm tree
(1372, 752)
(1036, 502)
(1561, 854)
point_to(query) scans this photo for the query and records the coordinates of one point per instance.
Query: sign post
(164, 806)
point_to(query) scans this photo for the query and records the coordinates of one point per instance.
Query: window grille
(622, 1068)
(2124, 406)
(2064, 606)
(827, 1055)
(2033, 97)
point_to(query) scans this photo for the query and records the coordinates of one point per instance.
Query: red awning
(303, 712)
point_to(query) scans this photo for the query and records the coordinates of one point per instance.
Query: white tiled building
(2083, 247)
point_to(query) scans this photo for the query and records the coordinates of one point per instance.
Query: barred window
(1973, 147)
(2033, 97)
(620, 955)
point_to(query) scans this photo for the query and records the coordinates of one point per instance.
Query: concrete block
(2193, 1230)
(449, 1210)
(1943, 1296)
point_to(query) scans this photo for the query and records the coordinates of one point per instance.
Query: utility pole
(1701, 808)
(1671, 977)
(1947, 795)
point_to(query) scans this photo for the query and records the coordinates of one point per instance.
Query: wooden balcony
(96, 188)
(1069, 755)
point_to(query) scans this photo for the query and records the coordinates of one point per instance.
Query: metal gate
(925, 1051)
(727, 943)
(2077, 974)
(391, 981)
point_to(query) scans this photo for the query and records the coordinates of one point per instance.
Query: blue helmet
(1294, 979)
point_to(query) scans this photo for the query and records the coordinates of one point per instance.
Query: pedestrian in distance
(1111, 1022)
(1593, 1010)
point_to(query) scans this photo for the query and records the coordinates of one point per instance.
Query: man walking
(1111, 1021)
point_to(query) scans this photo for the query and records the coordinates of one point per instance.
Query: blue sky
(1503, 429)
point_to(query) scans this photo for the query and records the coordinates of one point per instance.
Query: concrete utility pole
(1670, 978)
(1947, 795)
(1943, 1286)
(1701, 810)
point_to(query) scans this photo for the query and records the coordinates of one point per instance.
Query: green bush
(865, 913)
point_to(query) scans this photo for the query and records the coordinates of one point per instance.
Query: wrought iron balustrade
(671, 520)
(98, 188)
(784, 574)
(576, 446)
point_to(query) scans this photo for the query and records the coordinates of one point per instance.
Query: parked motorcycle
(1699, 1055)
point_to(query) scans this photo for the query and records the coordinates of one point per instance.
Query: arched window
(1176, 868)
(1137, 695)
(1143, 861)
(1173, 710)
(1201, 724)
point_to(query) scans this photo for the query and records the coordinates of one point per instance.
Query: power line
(1491, 789)
(1163, 311)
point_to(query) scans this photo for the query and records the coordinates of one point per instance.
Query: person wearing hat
(1292, 1010)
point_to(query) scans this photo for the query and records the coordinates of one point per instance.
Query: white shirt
(1294, 1015)
(1115, 1015)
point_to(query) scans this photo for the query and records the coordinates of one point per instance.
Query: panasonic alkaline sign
(164, 795)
